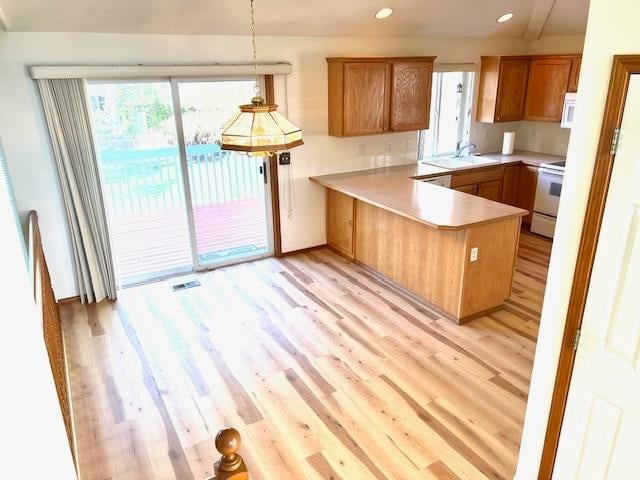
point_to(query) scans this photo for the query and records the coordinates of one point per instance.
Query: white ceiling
(411, 18)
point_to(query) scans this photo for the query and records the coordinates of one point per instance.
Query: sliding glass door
(137, 143)
(176, 202)
(227, 190)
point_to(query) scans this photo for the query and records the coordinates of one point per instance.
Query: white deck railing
(147, 181)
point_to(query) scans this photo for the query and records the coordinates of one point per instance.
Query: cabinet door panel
(576, 63)
(410, 95)
(491, 190)
(510, 184)
(340, 213)
(477, 176)
(512, 88)
(470, 189)
(548, 83)
(526, 196)
(366, 98)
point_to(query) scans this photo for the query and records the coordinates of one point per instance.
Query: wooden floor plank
(327, 371)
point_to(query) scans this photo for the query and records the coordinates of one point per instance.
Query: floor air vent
(182, 286)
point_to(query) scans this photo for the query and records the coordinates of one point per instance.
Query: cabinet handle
(350, 222)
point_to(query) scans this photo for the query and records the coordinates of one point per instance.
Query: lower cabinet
(526, 193)
(510, 184)
(486, 183)
(340, 220)
(470, 189)
(514, 185)
(491, 190)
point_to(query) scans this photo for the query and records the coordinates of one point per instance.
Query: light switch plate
(474, 254)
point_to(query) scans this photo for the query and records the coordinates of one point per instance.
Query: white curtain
(68, 119)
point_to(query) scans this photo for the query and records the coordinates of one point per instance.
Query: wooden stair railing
(231, 466)
(51, 326)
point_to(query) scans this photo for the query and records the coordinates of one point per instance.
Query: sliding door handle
(263, 171)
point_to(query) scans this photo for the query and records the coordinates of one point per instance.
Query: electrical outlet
(284, 158)
(411, 145)
(474, 254)
(362, 149)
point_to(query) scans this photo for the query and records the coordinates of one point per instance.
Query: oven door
(548, 192)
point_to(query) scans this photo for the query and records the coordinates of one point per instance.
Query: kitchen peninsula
(456, 251)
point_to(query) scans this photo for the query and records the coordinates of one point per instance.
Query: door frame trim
(623, 67)
(269, 93)
(184, 172)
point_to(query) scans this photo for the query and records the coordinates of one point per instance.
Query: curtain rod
(148, 71)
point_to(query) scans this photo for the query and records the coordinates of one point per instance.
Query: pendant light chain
(255, 59)
(259, 129)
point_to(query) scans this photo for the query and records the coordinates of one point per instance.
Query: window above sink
(450, 124)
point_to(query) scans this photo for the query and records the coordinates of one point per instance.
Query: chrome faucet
(462, 148)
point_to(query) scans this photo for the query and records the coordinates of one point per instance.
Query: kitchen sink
(453, 163)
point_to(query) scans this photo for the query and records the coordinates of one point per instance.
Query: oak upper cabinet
(576, 63)
(548, 83)
(340, 222)
(376, 95)
(366, 98)
(410, 95)
(503, 88)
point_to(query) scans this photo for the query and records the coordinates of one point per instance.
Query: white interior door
(600, 437)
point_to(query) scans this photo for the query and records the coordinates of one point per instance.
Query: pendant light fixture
(259, 129)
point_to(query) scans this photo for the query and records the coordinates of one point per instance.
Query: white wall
(32, 436)
(612, 30)
(33, 170)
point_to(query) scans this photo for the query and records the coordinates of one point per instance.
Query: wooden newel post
(231, 465)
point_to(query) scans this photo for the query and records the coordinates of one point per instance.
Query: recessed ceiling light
(505, 18)
(384, 13)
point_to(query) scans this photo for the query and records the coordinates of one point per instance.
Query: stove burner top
(554, 165)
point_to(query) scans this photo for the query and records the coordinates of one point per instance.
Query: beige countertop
(395, 189)
(528, 158)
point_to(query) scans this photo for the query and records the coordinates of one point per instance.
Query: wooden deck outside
(326, 371)
(156, 243)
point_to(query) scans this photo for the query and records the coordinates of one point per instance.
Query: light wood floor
(327, 372)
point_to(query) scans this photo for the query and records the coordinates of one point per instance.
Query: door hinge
(614, 141)
(576, 338)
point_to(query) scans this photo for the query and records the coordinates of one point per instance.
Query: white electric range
(549, 187)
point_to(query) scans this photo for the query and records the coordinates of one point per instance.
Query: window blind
(6, 183)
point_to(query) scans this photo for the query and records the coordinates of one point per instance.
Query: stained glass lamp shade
(259, 127)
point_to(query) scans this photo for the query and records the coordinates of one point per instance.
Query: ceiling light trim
(383, 13)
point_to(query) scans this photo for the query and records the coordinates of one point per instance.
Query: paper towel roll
(508, 142)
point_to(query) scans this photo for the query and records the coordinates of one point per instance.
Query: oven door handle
(551, 171)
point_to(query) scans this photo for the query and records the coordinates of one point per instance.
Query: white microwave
(568, 110)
